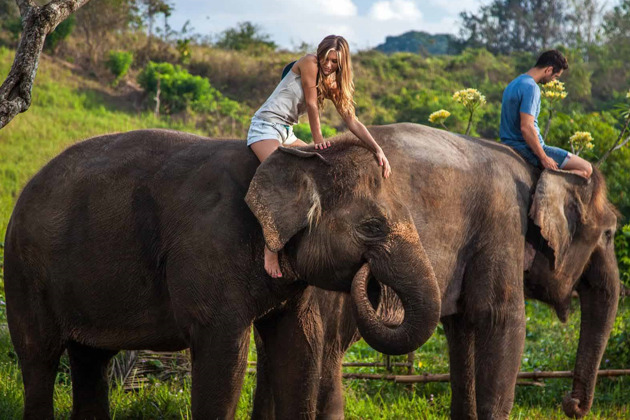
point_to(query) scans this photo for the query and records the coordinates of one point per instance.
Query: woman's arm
(359, 130)
(307, 66)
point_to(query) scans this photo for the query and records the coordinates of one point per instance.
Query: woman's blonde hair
(340, 89)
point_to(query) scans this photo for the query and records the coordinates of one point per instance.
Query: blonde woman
(311, 79)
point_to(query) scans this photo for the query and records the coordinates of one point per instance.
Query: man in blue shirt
(519, 118)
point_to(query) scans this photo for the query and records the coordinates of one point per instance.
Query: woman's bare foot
(272, 267)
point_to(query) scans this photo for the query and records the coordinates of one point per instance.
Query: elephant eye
(373, 228)
(609, 236)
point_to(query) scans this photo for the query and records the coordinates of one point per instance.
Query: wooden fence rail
(427, 377)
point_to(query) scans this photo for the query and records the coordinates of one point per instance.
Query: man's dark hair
(553, 58)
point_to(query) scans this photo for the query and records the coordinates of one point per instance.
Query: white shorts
(265, 130)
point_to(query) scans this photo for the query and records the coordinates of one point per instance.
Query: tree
(38, 21)
(97, 19)
(152, 8)
(504, 26)
(246, 37)
(617, 26)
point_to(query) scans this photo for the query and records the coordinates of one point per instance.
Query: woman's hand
(382, 161)
(323, 145)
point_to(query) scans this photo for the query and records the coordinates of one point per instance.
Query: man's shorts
(559, 155)
(266, 130)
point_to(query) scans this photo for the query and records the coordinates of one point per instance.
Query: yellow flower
(628, 94)
(438, 117)
(553, 90)
(581, 139)
(470, 98)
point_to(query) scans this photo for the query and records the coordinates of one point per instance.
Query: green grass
(67, 108)
(365, 399)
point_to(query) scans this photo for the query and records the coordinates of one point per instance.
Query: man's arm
(528, 129)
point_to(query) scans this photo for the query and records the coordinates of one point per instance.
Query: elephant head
(337, 220)
(575, 251)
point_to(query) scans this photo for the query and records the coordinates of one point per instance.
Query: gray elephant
(485, 217)
(143, 240)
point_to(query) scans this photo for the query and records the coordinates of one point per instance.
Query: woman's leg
(263, 149)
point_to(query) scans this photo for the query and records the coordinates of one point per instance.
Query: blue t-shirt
(521, 95)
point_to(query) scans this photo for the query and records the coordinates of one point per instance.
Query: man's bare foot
(272, 267)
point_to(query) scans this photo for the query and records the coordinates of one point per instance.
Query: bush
(118, 63)
(180, 90)
(303, 131)
(622, 249)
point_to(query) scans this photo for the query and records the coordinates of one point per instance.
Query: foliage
(183, 48)
(303, 131)
(622, 250)
(504, 26)
(246, 37)
(61, 32)
(180, 90)
(118, 64)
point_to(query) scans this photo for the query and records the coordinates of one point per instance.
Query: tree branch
(37, 22)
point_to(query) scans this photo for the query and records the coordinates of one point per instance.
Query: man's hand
(548, 163)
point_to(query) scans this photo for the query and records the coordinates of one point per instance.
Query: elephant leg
(461, 342)
(330, 400)
(497, 314)
(90, 388)
(263, 396)
(38, 374)
(293, 346)
(219, 361)
(38, 345)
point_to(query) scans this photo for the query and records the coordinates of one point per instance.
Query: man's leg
(569, 162)
(578, 166)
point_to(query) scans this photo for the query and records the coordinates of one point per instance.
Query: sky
(364, 23)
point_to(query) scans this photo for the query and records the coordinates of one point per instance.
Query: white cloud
(289, 22)
(319, 8)
(457, 6)
(395, 10)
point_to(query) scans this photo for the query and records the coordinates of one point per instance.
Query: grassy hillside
(68, 107)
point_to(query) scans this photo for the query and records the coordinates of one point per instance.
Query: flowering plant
(554, 92)
(439, 117)
(471, 99)
(581, 140)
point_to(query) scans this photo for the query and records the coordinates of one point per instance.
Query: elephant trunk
(402, 265)
(599, 295)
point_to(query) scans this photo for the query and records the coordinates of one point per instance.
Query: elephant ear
(557, 209)
(283, 196)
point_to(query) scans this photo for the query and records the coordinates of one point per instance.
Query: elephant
(146, 240)
(496, 230)
(325, 325)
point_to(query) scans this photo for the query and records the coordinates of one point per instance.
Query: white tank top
(286, 103)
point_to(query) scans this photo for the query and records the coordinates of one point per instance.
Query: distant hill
(421, 42)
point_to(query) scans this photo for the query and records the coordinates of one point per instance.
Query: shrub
(303, 131)
(118, 64)
(180, 90)
(622, 249)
